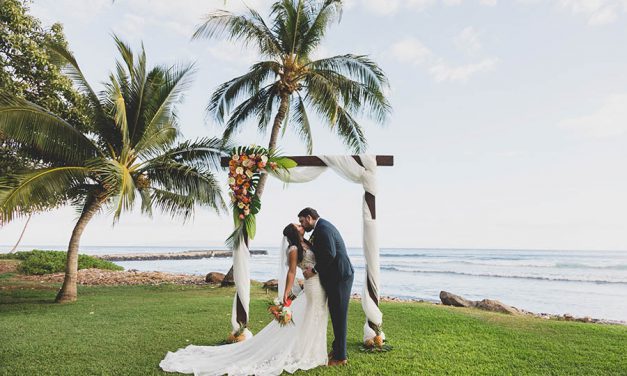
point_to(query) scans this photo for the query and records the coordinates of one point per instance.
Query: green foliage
(133, 327)
(288, 83)
(47, 262)
(27, 71)
(132, 149)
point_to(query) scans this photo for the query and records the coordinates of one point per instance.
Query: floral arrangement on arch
(246, 165)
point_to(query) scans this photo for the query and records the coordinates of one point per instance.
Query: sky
(509, 123)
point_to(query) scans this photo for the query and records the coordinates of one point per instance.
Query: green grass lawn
(127, 330)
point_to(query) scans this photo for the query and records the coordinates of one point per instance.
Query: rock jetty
(186, 255)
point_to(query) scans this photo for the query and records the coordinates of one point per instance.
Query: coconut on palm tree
(128, 149)
(287, 84)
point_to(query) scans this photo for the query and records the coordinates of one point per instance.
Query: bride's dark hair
(293, 238)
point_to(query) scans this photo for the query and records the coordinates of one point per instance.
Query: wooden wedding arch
(370, 303)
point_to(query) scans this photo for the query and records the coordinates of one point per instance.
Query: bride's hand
(286, 297)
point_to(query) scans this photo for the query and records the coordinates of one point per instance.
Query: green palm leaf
(38, 190)
(48, 136)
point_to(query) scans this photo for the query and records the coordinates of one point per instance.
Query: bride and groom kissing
(328, 274)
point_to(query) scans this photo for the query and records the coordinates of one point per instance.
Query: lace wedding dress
(274, 349)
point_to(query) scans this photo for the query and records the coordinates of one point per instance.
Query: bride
(275, 348)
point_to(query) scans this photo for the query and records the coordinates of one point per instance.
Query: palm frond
(321, 16)
(357, 97)
(198, 153)
(227, 94)
(358, 67)
(301, 121)
(256, 105)
(117, 182)
(51, 138)
(38, 190)
(324, 98)
(246, 29)
(197, 183)
(176, 205)
(164, 88)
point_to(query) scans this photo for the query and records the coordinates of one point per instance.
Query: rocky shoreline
(103, 277)
(185, 255)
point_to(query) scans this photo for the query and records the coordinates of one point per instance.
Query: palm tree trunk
(68, 291)
(21, 235)
(274, 135)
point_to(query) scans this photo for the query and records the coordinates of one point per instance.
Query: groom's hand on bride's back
(308, 273)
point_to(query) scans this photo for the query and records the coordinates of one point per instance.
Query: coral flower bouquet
(281, 312)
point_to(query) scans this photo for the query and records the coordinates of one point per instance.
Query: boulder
(455, 300)
(271, 284)
(496, 306)
(568, 317)
(214, 277)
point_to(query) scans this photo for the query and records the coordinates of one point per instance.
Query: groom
(336, 275)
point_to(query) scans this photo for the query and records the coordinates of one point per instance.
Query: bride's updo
(293, 238)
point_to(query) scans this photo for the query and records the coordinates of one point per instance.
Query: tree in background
(27, 71)
(125, 149)
(287, 84)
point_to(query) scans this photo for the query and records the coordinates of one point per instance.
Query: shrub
(47, 262)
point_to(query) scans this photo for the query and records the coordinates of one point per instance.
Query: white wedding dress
(274, 349)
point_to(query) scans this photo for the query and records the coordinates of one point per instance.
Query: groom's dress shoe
(335, 362)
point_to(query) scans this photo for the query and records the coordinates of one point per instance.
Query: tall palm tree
(287, 83)
(129, 150)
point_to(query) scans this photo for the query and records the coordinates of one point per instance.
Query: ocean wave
(491, 275)
(505, 262)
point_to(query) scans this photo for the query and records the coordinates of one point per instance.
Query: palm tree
(129, 150)
(288, 83)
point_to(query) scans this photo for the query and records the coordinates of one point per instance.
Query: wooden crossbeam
(312, 160)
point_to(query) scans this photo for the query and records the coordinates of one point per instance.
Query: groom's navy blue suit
(336, 276)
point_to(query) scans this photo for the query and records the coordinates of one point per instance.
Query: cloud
(442, 71)
(390, 7)
(413, 51)
(410, 50)
(231, 53)
(597, 12)
(468, 41)
(80, 11)
(183, 16)
(609, 120)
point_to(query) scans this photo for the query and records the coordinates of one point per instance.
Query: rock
(496, 306)
(214, 277)
(585, 319)
(271, 284)
(455, 300)
(568, 317)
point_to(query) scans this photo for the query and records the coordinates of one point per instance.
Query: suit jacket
(332, 262)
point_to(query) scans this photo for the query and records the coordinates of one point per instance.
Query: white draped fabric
(348, 168)
(241, 276)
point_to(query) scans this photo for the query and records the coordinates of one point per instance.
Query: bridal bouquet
(281, 312)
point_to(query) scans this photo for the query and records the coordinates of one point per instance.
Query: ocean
(582, 283)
